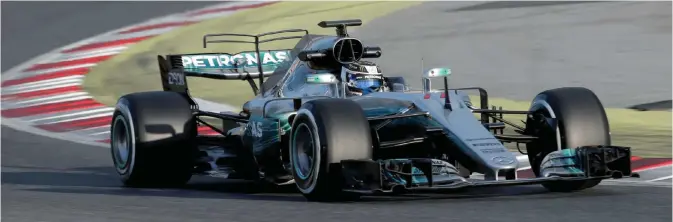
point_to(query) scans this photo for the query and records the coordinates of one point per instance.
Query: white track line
(213, 15)
(99, 51)
(108, 51)
(660, 178)
(51, 70)
(29, 102)
(138, 34)
(653, 168)
(69, 99)
(47, 118)
(98, 130)
(79, 118)
(101, 133)
(55, 60)
(38, 85)
(42, 83)
(73, 83)
(61, 100)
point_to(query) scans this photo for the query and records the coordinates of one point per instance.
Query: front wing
(404, 175)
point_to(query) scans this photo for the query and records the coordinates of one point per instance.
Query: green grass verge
(135, 70)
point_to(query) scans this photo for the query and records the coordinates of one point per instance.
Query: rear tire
(325, 132)
(152, 139)
(581, 121)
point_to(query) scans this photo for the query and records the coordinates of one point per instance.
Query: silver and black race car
(305, 128)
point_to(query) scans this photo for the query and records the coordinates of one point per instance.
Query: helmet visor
(366, 81)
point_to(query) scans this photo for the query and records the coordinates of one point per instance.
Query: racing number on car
(176, 78)
(256, 129)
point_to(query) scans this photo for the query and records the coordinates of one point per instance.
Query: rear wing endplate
(174, 80)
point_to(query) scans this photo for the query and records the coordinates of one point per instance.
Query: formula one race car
(305, 128)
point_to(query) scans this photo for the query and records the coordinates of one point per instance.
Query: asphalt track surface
(52, 180)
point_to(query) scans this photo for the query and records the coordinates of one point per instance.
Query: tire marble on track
(51, 180)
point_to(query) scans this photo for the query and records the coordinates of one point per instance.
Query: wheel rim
(304, 150)
(121, 143)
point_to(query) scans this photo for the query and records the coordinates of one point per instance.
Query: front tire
(152, 139)
(325, 132)
(581, 121)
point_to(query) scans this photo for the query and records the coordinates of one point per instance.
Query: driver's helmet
(361, 78)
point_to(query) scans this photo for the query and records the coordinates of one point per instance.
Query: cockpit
(360, 79)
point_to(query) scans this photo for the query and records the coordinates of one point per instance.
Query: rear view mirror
(399, 87)
(434, 73)
(444, 73)
(438, 72)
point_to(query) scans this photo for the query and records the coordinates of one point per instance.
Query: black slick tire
(152, 139)
(581, 121)
(328, 131)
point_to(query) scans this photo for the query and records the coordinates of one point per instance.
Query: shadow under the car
(490, 194)
(101, 182)
(78, 177)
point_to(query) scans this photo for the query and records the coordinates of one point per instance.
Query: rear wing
(246, 65)
(228, 66)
